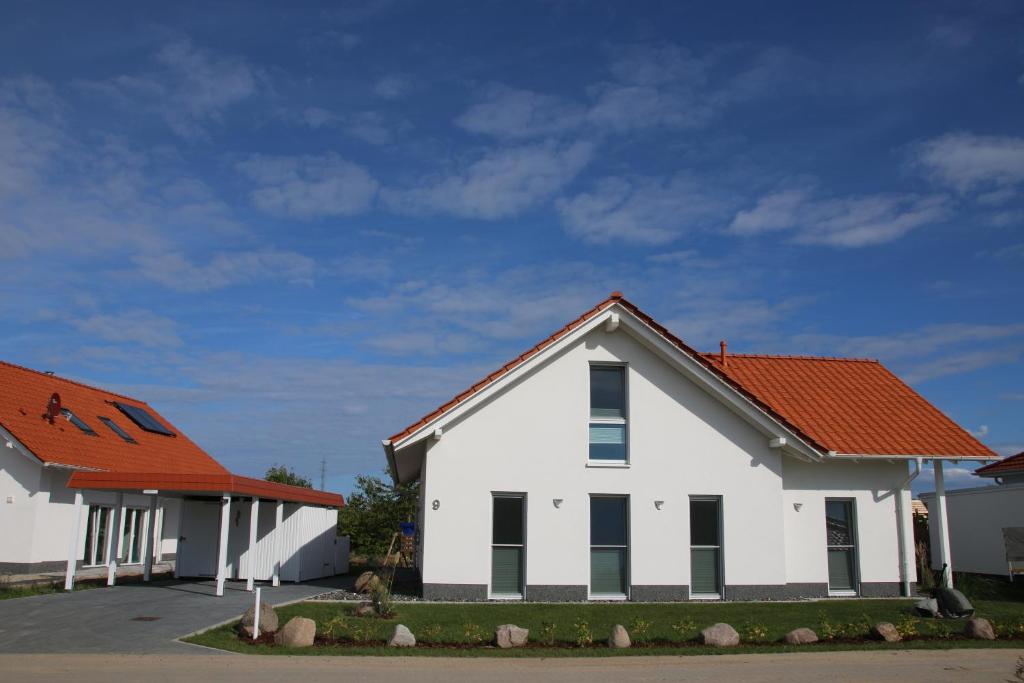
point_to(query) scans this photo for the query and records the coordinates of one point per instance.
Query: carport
(307, 537)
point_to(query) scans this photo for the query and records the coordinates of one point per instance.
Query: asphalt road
(934, 666)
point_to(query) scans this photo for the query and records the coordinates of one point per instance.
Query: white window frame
(624, 421)
(720, 548)
(131, 513)
(93, 531)
(628, 547)
(491, 595)
(855, 561)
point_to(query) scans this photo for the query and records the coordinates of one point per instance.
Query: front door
(197, 540)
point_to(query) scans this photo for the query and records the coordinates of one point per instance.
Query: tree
(282, 474)
(371, 514)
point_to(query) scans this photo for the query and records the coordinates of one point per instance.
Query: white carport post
(76, 534)
(250, 565)
(942, 524)
(222, 549)
(147, 540)
(116, 545)
(278, 530)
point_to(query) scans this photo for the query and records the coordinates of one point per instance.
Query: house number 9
(436, 504)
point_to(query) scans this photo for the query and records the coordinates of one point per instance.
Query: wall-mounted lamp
(797, 506)
(435, 505)
(557, 502)
(658, 504)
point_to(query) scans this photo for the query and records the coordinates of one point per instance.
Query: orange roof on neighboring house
(848, 406)
(1013, 464)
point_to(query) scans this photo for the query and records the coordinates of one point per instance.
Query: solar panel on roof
(141, 417)
(114, 427)
(75, 420)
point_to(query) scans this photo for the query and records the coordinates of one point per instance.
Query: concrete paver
(118, 619)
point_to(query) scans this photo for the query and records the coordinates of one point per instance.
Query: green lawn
(672, 628)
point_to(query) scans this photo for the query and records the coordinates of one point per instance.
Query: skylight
(74, 419)
(141, 417)
(117, 430)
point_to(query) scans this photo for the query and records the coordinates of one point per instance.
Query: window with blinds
(706, 546)
(608, 429)
(508, 545)
(842, 547)
(609, 545)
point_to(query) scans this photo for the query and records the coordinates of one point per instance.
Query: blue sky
(294, 231)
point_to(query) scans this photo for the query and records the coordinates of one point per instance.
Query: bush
(380, 596)
(826, 629)
(685, 629)
(755, 632)
(472, 634)
(584, 636)
(639, 629)
(547, 633)
(907, 625)
(430, 633)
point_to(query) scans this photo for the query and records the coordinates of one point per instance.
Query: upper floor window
(77, 421)
(608, 429)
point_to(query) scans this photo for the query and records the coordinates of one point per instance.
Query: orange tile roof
(1012, 464)
(845, 405)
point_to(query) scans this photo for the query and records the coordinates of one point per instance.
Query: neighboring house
(612, 461)
(986, 523)
(93, 478)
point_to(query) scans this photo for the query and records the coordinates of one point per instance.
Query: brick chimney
(723, 357)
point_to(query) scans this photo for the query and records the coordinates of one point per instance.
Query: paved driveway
(132, 618)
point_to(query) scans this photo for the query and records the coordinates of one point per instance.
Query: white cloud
(981, 432)
(514, 113)
(30, 132)
(503, 183)
(966, 162)
(175, 271)
(138, 327)
(393, 87)
(645, 211)
(840, 222)
(309, 186)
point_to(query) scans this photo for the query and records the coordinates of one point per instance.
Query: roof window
(114, 427)
(75, 420)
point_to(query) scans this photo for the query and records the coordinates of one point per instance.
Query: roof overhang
(202, 484)
(924, 456)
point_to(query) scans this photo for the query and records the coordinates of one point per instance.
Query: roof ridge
(69, 381)
(847, 359)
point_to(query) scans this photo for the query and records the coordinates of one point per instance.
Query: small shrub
(472, 634)
(335, 627)
(380, 595)
(907, 625)
(685, 629)
(358, 632)
(640, 629)
(826, 629)
(755, 632)
(935, 629)
(547, 633)
(430, 633)
(584, 636)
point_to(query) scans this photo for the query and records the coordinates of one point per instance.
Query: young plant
(430, 633)
(547, 633)
(685, 629)
(584, 636)
(336, 627)
(826, 629)
(907, 625)
(472, 634)
(755, 632)
(639, 629)
(380, 595)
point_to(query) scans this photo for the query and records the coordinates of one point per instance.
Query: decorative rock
(801, 636)
(510, 635)
(268, 620)
(619, 637)
(883, 630)
(298, 632)
(980, 629)
(927, 607)
(402, 637)
(366, 582)
(365, 609)
(720, 635)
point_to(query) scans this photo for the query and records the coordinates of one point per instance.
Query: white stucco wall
(533, 439)
(976, 518)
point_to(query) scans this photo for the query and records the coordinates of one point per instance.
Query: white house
(986, 523)
(90, 478)
(614, 462)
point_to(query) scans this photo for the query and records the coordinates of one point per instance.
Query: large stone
(402, 637)
(980, 629)
(619, 637)
(883, 630)
(298, 632)
(801, 636)
(365, 609)
(366, 582)
(510, 635)
(268, 620)
(927, 607)
(720, 635)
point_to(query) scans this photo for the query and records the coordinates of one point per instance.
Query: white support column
(250, 564)
(147, 540)
(159, 539)
(222, 545)
(278, 546)
(76, 535)
(942, 523)
(905, 529)
(117, 542)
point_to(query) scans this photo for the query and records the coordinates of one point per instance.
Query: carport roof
(202, 483)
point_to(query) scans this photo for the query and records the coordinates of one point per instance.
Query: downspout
(901, 526)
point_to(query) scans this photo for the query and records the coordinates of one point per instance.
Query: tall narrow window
(608, 430)
(705, 547)
(96, 535)
(609, 545)
(839, 537)
(507, 546)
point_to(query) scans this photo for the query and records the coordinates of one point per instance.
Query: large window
(608, 431)
(508, 545)
(609, 545)
(839, 537)
(706, 547)
(96, 533)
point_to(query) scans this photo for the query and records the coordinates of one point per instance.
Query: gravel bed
(352, 595)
